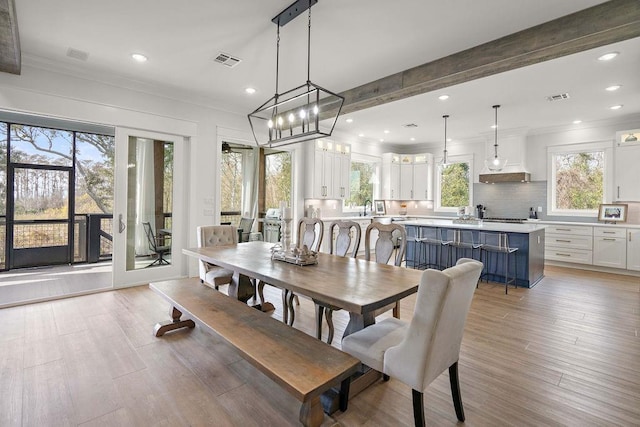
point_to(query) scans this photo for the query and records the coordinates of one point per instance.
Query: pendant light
(495, 163)
(445, 159)
(300, 114)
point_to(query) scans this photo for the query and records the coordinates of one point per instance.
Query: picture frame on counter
(379, 207)
(612, 212)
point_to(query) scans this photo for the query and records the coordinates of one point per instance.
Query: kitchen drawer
(574, 230)
(610, 232)
(568, 241)
(577, 256)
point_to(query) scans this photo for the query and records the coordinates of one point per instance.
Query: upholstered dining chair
(343, 235)
(417, 352)
(215, 235)
(391, 237)
(310, 233)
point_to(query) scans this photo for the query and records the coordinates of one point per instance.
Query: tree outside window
(361, 183)
(277, 179)
(231, 182)
(579, 180)
(455, 185)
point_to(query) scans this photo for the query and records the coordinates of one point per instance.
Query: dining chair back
(215, 235)
(391, 237)
(310, 233)
(154, 246)
(417, 352)
(348, 236)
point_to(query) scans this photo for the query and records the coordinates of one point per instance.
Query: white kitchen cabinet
(407, 177)
(609, 247)
(423, 177)
(633, 249)
(331, 169)
(569, 243)
(390, 176)
(626, 174)
(341, 171)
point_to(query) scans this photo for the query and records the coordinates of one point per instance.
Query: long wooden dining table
(355, 285)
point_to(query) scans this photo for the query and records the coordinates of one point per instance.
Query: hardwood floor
(566, 352)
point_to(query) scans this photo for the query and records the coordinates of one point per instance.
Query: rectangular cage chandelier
(306, 112)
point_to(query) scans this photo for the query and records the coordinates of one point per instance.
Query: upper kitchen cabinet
(331, 164)
(626, 175)
(407, 177)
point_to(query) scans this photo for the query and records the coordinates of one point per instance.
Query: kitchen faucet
(365, 207)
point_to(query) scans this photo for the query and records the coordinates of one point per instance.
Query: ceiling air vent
(227, 60)
(77, 54)
(410, 125)
(559, 97)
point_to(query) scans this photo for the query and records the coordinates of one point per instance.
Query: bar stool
(464, 241)
(498, 243)
(428, 238)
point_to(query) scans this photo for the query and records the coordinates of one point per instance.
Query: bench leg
(311, 413)
(162, 327)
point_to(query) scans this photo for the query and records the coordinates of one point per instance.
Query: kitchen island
(527, 237)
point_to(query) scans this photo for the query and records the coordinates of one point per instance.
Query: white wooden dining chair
(391, 237)
(348, 236)
(310, 234)
(416, 353)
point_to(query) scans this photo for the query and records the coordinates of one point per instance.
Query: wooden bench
(304, 366)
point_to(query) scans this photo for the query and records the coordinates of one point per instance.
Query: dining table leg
(241, 287)
(358, 322)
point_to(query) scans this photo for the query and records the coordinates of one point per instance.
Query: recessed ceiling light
(443, 97)
(386, 131)
(381, 140)
(608, 56)
(615, 107)
(349, 120)
(361, 135)
(613, 88)
(139, 57)
(448, 139)
(412, 139)
(493, 126)
(250, 90)
(577, 122)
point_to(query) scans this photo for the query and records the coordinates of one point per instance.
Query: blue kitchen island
(527, 237)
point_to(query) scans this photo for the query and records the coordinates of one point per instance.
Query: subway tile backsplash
(511, 200)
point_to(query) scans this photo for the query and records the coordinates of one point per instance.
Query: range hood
(513, 146)
(499, 177)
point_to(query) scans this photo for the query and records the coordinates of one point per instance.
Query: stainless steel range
(508, 220)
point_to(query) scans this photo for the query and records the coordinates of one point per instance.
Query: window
(231, 182)
(277, 184)
(578, 178)
(453, 184)
(362, 180)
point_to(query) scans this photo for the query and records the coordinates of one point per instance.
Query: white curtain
(145, 194)
(250, 184)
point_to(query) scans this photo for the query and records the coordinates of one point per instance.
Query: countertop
(528, 227)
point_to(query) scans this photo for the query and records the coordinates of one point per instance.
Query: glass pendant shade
(495, 163)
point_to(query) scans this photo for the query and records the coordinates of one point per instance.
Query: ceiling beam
(10, 57)
(600, 25)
